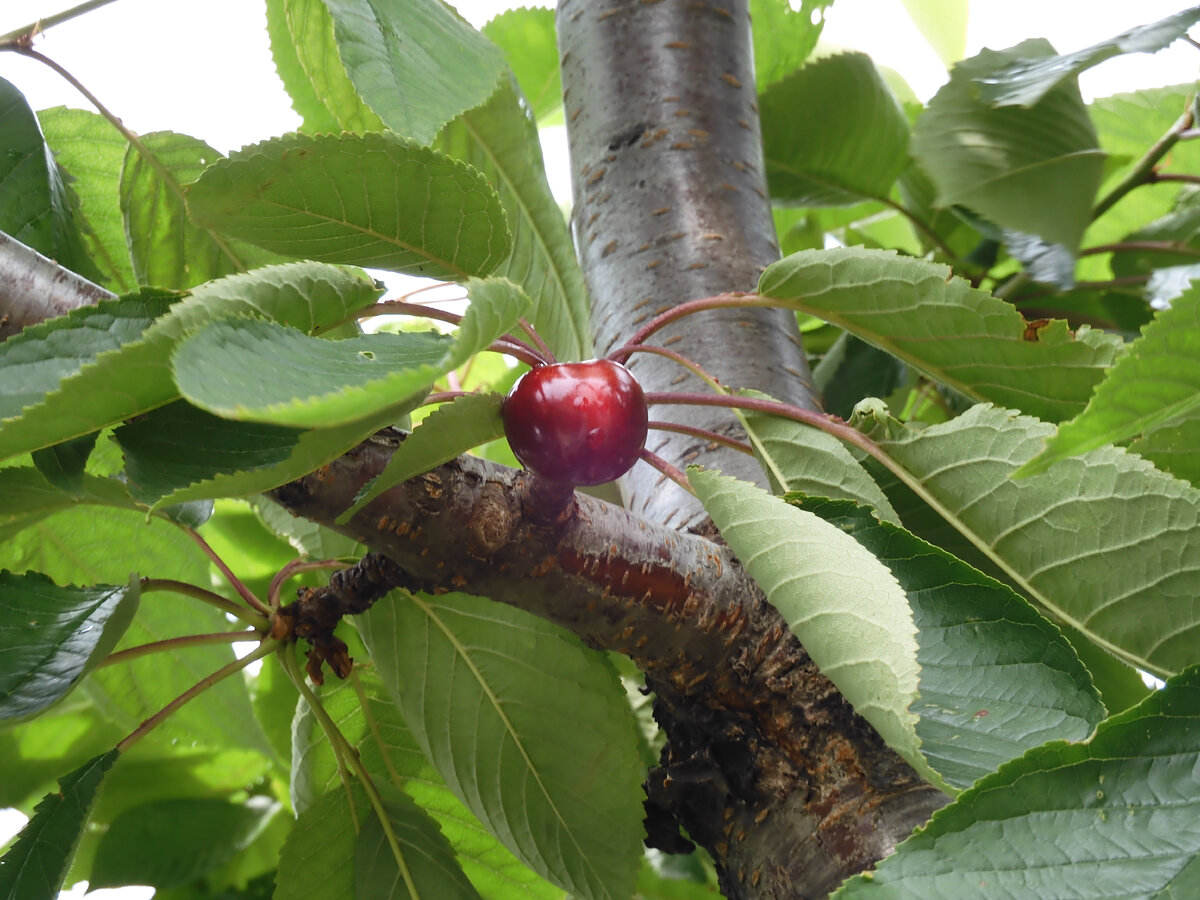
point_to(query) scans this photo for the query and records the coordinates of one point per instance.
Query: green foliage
(1015, 248)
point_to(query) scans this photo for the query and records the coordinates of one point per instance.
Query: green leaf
(1180, 227)
(997, 679)
(797, 458)
(306, 57)
(835, 597)
(51, 636)
(92, 152)
(1174, 448)
(173, 842)
(416, 63)
(860, 147)
(426, 866)
(36, 865)
(391, 755)
(500, 139)
(552, 772)
(943, 23)
(376, 200)
(37, 206)
(446, 433)
(168, 250)
(63, 464)
(853, 369)
(317, 861)
(1034, 170)
(1024, 82)
(1115, 817)
(1103, 540)
(960, 336)
(26, 496)
(784, 37)
(1155, 382)
(530, 45)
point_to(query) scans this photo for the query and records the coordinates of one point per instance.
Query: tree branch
(33, 288)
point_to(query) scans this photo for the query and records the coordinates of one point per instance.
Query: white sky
(203, 67)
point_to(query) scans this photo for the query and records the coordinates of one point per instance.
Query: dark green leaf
(35, 866)
(63, 464)
(853, 369)
(833, 133)
(51, 636)
(1118, 816)
(377, 200)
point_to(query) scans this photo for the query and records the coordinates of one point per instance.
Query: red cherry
(576, 423)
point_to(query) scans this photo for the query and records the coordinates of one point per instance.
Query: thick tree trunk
(670, 206)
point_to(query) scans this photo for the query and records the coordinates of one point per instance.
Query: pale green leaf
(784, 37)
(1103, 540)
(1025, 82)
(943, 23)
(1118, 816)
(844, 605)
(798, 458)
(416, 63)
(500, 139)
(51, 636)
(1155, 382)
(92, 152)
(168, 250)
(860, 148)
(376, 200)
(1033, 170)
(530, 44)
(938, 323)
(1174, 448)
(446, 433)
(26, 496)
(997, 679)
(35, 867)
(528, 728)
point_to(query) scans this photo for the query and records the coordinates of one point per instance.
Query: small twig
(30, 31)
(1154, 176)
(1153, 246)
(236, 583)
(921, 225)
(1085, 286)
(1142, 171)
(207, 596)
(295, 567)
(188, 640)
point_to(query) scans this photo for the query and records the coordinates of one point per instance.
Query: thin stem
(236, 583)
(33, 29)
(1170, 176)
(720, 301)
(1153, 246)
(207, 596)
(1014, 284)
(266, 647)
(189, 640)
(670, 471)
(404, 308)
(1086, 286)
(693, 367)
(1142, 172)
(704, 434)
(543, 348)
(921, 226)
(295, 567)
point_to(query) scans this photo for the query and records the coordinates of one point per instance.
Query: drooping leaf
(530, 46)
(784, 37)
(1115, 817)
(1025, 82)
(997, 679)
(939, 324)
(1154, 383)
(553, 773)
(173, 842)
(375, 199)
(51, 636)
(92, 152)
(943, 23)
(37, 205)
(835, 597)
(425, 866)
(444, 434)
(500, 139)
(797, 458)
(392, 756)
(416, 63)
(36, 865)
(168, 250)
(1030, 169)
(858, 149)
(1103, 540)
(306, 58)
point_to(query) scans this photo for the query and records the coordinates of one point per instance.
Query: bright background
(204, 68)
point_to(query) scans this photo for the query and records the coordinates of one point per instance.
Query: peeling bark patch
(629, 136)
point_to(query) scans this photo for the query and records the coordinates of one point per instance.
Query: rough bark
(671, 205)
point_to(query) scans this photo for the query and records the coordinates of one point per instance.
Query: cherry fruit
(576, 423)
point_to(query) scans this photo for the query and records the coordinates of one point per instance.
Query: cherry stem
(719, 301)
(704, 434)
(188, 640)
(444, 397)
(295, 567)
(693, 367)
(207, 596)
(668, 470)
(244, 592)
(536, 338)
